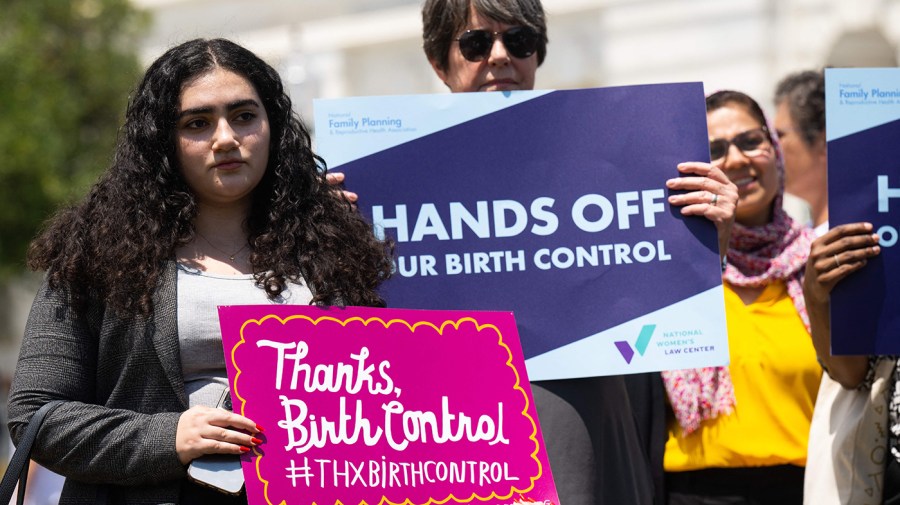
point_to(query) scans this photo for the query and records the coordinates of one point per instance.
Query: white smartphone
(221, 472)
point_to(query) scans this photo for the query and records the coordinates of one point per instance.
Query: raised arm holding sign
(863, 114)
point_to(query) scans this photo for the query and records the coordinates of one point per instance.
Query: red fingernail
(245, 449)
(256, 441)
(260, 428)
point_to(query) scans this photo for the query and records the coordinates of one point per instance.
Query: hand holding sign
(564, 212)
(862, 109)
(712, 195)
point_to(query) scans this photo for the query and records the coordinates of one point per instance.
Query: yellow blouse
(776, 378)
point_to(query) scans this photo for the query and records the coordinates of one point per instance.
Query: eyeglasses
(520, 41)
(751, 142)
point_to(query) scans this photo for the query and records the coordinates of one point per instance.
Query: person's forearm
(849, 371)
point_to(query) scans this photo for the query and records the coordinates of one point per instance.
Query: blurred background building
(336, 48)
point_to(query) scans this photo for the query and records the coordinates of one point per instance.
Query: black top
(596, 455)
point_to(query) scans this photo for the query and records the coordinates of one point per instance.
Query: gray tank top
(199, 335)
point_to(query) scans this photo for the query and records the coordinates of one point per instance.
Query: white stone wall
(333, 48)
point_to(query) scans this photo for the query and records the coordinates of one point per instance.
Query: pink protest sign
(385, 406)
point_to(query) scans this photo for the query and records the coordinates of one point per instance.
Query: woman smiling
(740, 432)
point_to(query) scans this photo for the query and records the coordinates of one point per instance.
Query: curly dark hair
(442, 20)
(804, 93)
(114, 245)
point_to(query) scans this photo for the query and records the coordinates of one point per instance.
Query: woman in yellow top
(739, 433)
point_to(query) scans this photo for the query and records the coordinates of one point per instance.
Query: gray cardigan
(114, 438)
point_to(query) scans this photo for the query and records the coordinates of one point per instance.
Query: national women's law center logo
(640, 345)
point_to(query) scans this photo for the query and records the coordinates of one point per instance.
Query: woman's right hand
(205, 430)
(708, 193)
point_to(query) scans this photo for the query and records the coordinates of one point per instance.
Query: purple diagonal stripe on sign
(864, 318)
(505, 157)
(625, 350)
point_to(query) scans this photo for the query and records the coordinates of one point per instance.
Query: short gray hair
(442, 20)
(804, 93)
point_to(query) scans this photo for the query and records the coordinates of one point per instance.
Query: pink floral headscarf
(757, 256)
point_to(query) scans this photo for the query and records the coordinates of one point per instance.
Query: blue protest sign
(551, 204)
(862, 109)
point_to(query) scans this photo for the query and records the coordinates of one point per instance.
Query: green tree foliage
(66, 69)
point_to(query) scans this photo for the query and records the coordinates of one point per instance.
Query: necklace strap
(230, 255)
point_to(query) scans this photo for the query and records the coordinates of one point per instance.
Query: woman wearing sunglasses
(740, 432)
(595, 451)
(461, 43)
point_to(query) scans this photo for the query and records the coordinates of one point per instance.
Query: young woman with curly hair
(214, 197)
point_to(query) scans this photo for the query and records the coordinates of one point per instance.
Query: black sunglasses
(520, 41)
(750, 142)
